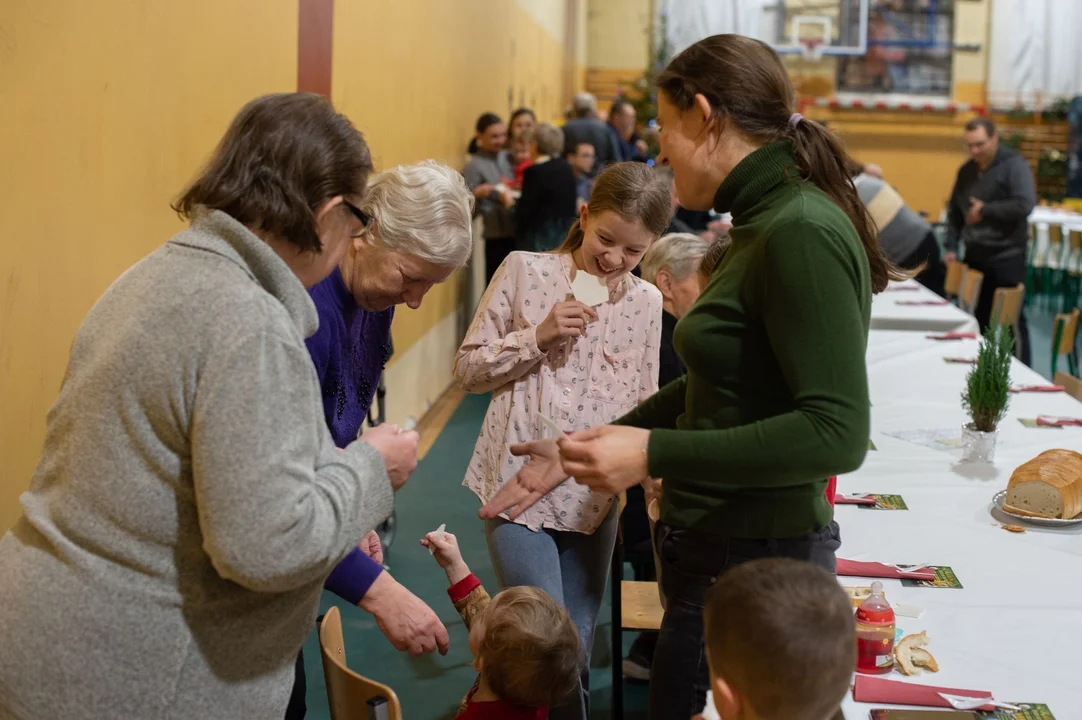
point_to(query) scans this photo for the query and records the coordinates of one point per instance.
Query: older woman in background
(416, 233)
(548, 206)
(190, 502)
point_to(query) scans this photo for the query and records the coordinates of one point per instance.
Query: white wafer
(438, 531)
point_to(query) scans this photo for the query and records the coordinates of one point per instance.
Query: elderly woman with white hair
(672, 264)
(416, 233)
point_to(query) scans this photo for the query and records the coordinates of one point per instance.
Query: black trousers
(996, 275)
(690, 562)
(297, 708)
(934, 274)
(496, 250)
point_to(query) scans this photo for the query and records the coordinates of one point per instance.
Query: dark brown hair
(531, 651)
(486, 121)
(714, 255)
(283, 156)
(981, 122)
(781, 633)
(634, 190)
(746, 84)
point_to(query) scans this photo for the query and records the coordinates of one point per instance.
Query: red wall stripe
(315, 33)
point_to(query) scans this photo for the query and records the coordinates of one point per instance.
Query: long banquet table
(1015, 626)
(893, 310)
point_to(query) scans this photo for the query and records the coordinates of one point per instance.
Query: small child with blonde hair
(525, 647)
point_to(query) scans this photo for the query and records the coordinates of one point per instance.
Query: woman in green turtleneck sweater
(776, 396)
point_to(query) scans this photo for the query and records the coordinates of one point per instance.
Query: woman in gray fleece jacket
(189, 501)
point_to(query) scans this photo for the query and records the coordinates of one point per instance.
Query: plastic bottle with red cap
(875, 633)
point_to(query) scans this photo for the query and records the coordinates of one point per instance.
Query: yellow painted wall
(618, 44)
(972, 24)
(107, 109)
(416, 89)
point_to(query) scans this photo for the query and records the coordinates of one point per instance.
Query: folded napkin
(932, 303)
(880, 570)
(903, 288)
(1053, 421)
(960, 360)
(840, 499)
(1037, 388)
(871, 689)
(952, 336)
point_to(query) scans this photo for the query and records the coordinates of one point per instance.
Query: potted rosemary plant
(987, 394)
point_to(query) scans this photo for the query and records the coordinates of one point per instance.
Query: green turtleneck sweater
(775, 400)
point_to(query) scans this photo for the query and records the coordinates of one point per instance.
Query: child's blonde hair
(633, 190)
(531, 654)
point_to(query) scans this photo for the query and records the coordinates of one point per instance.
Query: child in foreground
(525, 647)
(780, 642)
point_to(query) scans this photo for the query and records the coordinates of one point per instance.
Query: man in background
(585, 127)
(906, 237)
(622, 119)
(989, 209)
(581, 157)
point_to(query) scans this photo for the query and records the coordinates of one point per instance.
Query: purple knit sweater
(349, 351)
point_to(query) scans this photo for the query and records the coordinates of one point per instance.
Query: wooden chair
(971, 289)
(1007, 310)
(1064, 334)
(1072, 271)
(953, 284)
(635, 606)
(351, 696)
(1053, 272)
(1072, 384)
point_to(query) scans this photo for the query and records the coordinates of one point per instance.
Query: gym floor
(431, 687)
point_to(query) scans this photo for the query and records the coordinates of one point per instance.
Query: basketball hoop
(813, 48)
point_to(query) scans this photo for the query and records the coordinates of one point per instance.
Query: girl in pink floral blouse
(544, 354)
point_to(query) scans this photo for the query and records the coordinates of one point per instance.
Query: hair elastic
(794, 120)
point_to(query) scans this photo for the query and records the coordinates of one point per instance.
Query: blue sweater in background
(349, 351)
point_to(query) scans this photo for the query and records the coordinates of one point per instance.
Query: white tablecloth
(1015, 626)
(890, 311)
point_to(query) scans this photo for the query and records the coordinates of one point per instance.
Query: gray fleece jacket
(189, 501)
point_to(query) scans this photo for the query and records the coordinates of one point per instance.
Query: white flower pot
(978, 446)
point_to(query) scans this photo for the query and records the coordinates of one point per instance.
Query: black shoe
(636, 666)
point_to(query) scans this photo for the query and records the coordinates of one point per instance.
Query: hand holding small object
(444, 547)
(566, 321)
(398, 448)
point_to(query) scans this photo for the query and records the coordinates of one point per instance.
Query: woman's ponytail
(824, 163)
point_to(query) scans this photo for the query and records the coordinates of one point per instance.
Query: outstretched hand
(541, 474)
(610, 458)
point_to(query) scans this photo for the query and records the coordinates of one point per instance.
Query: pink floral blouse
(583, 383)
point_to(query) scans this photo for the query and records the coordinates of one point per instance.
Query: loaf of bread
(1049, 485)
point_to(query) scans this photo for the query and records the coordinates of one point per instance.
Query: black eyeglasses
(359, 214)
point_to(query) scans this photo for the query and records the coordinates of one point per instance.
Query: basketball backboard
(815, 27)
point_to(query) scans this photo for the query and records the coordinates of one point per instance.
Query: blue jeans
(571, 567)
(690, 563)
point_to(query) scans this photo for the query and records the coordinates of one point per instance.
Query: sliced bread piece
(924, 659)
(911, 656)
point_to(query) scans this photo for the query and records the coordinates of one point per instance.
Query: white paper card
(439, 531)
(589, 290)
(709, 711)
(910, 611)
